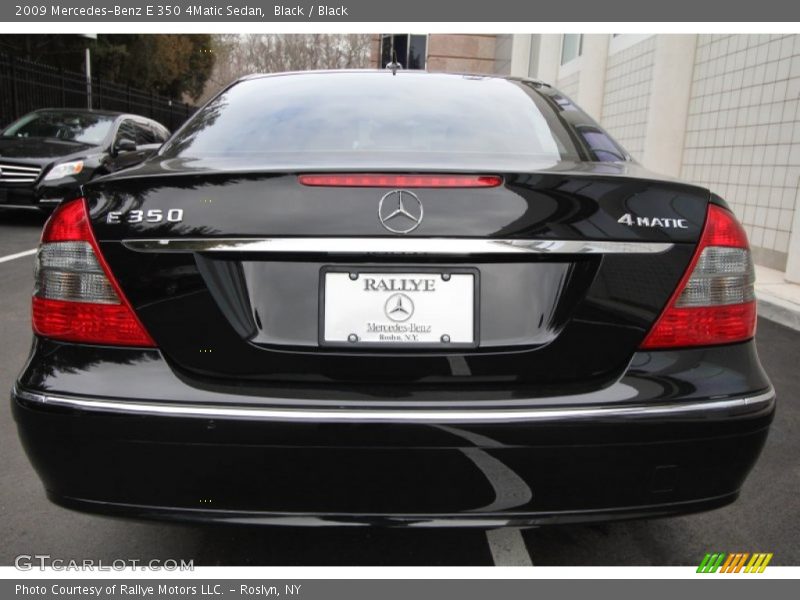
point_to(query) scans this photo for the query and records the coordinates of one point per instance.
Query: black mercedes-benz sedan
(48, 154)
(393, 298)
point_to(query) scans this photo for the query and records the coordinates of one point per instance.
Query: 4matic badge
(663, 222)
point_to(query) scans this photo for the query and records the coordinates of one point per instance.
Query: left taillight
(76, 297)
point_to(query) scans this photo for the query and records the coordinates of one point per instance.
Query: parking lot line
(508, 548)
(17, 255)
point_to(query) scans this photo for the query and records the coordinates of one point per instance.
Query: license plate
(408, 308)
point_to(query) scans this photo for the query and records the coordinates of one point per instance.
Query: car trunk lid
(560, 274)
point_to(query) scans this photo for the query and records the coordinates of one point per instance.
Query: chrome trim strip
(394, 245)
(9, 167)
(22, 206)
(18, 173)
(699, 409)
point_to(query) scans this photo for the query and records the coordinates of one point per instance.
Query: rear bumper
(478, 467)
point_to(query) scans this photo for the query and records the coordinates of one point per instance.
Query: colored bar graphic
(730, 563)
(766, 562)
(703, 563)
(758, 563)
(741, 562)
(734, 562)
(711, 562)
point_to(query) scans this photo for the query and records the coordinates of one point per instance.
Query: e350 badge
(153, 215)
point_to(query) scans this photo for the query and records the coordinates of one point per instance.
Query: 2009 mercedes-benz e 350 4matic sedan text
(393, 298)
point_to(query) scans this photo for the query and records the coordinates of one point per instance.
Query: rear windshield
(365, 120)
(83, 128)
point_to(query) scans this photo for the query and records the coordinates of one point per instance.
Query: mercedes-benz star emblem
(400, 211)
(399, 308)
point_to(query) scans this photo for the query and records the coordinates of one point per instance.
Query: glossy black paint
(389, 473)
(150, 466)
(569, 202)
(127, 373)
(45, 153)
(601, 313)
(240, 330)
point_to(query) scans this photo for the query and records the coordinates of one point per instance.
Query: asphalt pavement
(766, 518)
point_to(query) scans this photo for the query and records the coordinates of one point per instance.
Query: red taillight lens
(88, 323)
(715, 301)
(69, 223)
(402, 181)
(76, 298)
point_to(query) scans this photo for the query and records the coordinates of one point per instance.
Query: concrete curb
(778, 310)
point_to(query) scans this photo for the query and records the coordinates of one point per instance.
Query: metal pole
(88, 78)
(14, 88)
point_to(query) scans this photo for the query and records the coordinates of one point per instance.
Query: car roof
(94, 111)
(88, 111)
(437, 74)
(108, 113)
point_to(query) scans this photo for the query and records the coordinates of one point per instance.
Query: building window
(571, 45)
(411, 50)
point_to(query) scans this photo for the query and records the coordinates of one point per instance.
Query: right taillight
(76, 297)
(715, 301)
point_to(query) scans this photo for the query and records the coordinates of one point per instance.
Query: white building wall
(591, 92)
(570, 84)
(670, 91)
(629, 76)
(545, 64)
(743, 135)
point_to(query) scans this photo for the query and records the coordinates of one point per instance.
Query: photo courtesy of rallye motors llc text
(145, 591)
